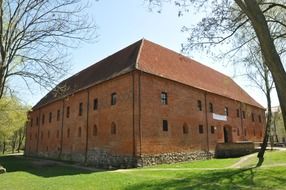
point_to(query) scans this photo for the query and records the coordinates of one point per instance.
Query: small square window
(113, 128)
(259, 118)
(68, 112)
(43, 119)
(243, 114)
(58, 115)
(164, 98)
(211, 109)
(165, 125)
(185, 129)
(80, 109)
(252, 117)
(212, 129)
(113, 98)
(94, 130)
(95, 104)
(200, 105)
(237, 113)
(79, 132)
(50, 117)
(226, 111)
(201, 129)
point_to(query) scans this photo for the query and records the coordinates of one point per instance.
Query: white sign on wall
(219, 117)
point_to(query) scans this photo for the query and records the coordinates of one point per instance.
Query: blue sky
(121, 23)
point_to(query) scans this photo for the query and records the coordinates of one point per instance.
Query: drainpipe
(206, 116)
(62, 129)
(87, 122)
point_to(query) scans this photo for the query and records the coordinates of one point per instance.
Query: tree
(12, 121)
(265, 20)
(34, 37)
(259, 74)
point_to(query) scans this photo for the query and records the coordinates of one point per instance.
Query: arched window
(185, 129)
(113, 128)
(94, 132)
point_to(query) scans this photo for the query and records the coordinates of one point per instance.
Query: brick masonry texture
(130, 132)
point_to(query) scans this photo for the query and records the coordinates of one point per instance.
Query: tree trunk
(268, 49)
(269, 117)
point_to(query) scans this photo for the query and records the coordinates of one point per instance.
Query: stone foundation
(168, 158)
(103, 159)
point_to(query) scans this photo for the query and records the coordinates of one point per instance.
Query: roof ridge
(139, 53)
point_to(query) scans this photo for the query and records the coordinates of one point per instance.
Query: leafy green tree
(12, 121)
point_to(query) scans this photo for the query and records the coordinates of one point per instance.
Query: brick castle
(143, 105)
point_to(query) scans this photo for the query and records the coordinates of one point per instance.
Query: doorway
(227, 132)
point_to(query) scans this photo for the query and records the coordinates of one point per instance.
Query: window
(37, 121)
(113, 128)
(43, 119)
(68, 112)
(226, 111)
(165, 125)
(58, 115)
(212, 129)
(80, 109)
(68, 133)
(200, 105)
(32, 122)
(113, 98)
(50, 117)
(94, 132)
(201, 129)
(164, 98)
(259, 118)
(211, 109)
(95, 104)
(58, 134)
(185, 129)
(237, 113)
(243, 114)
(252, 117)
(79, 132)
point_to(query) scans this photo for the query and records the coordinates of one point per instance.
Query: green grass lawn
(29, 174)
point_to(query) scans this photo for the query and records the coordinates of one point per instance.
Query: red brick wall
(121, 114)
(138, 115)
(182, 109)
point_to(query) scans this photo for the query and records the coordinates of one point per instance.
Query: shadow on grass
(39, 167)
(251, 178)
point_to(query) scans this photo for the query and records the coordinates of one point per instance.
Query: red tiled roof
(166, 63)
(154, 59)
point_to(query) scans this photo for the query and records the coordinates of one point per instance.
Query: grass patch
(33, 174)
(271, 158)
